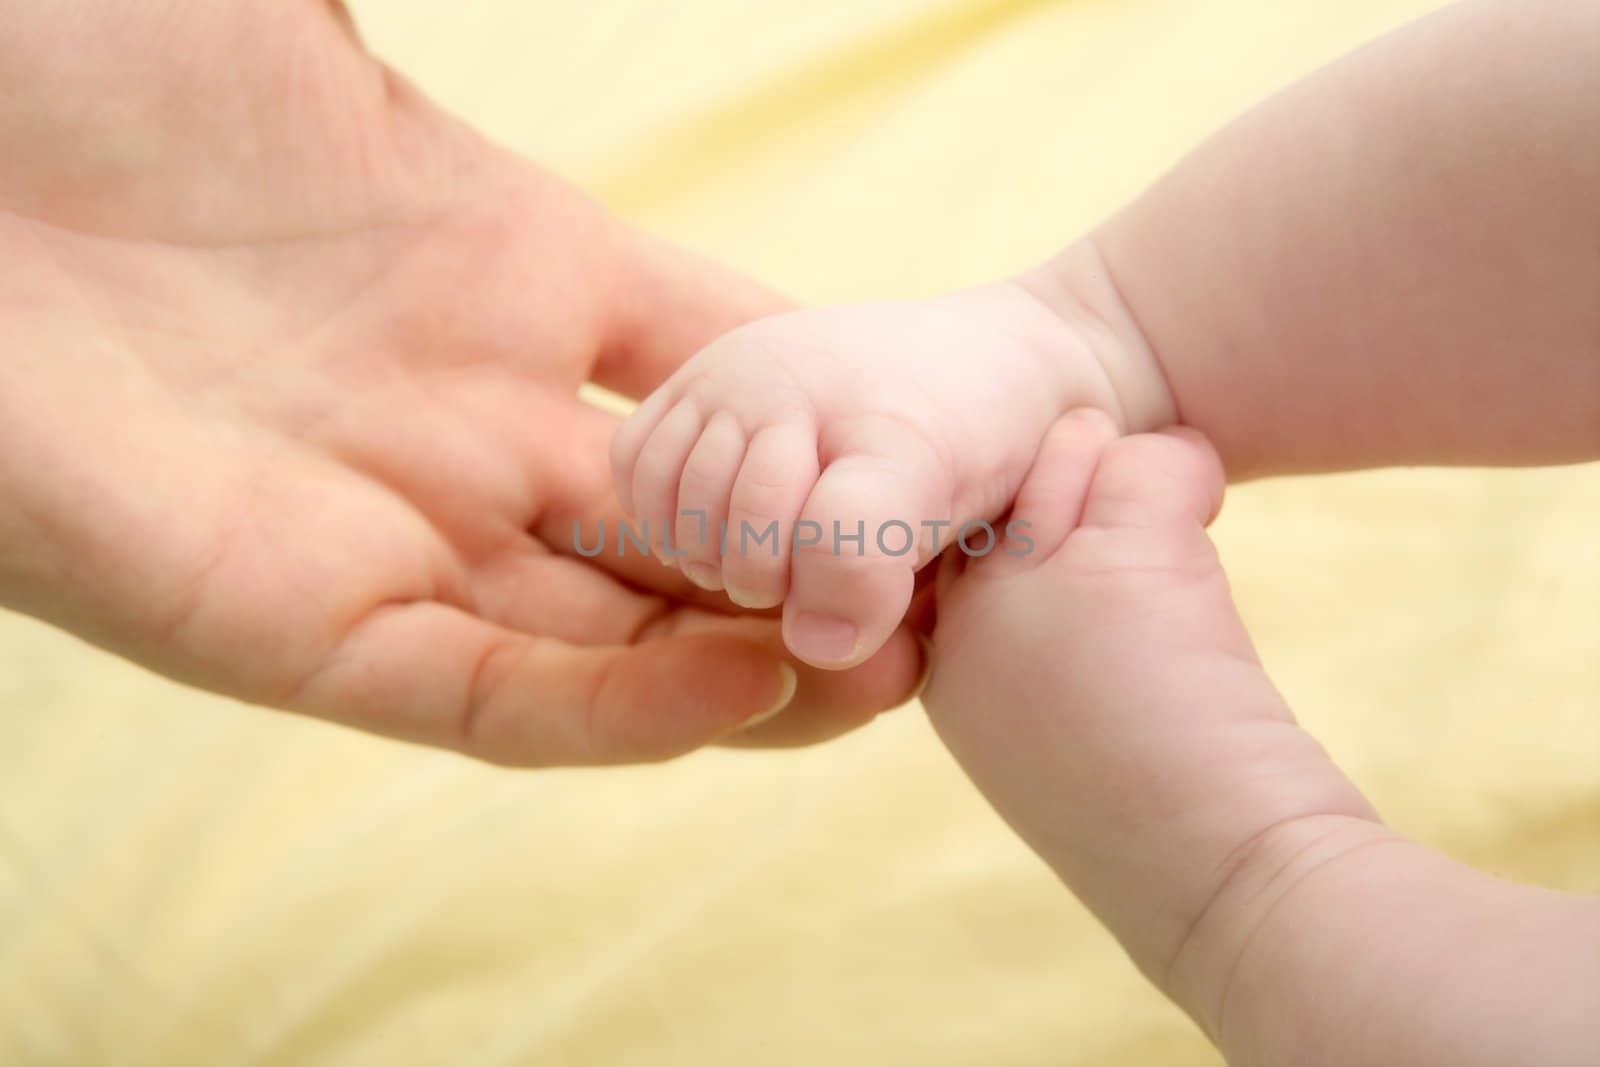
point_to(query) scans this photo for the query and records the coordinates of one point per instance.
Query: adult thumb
(664, 304)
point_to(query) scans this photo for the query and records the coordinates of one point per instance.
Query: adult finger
(664, 305)
(434, 674)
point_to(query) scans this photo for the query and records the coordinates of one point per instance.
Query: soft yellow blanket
(185, 881)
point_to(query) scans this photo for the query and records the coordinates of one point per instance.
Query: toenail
(703, 574)
(824, 640)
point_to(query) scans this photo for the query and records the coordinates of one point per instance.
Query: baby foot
(818, 459)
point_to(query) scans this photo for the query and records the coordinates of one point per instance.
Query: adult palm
(289, 364)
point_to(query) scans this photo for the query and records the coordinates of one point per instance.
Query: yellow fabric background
(185, 881)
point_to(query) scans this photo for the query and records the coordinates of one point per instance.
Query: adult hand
(288, 399)
(1102, 692)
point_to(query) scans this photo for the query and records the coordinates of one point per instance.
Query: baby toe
(703, 497)
(629, 441)
(778, 473)
(855, 561)
(659, 471)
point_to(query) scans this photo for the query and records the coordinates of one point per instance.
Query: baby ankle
(1078, 287)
